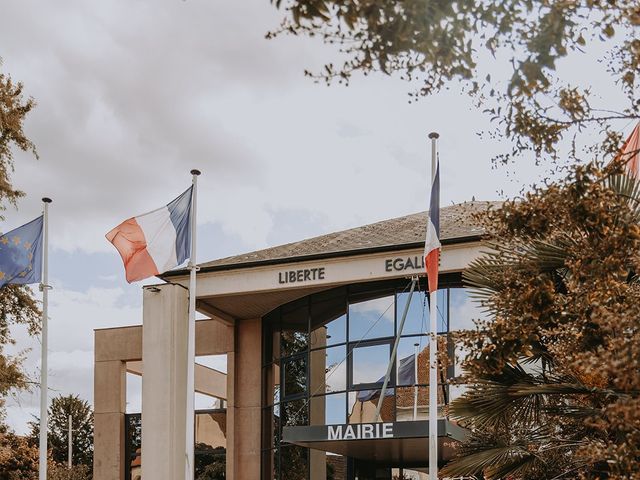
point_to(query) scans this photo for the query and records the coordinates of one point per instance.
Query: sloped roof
(456, 225)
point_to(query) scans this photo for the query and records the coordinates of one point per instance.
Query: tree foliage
(555, 372)
(441, 43)
(17, 305)
(58, 436)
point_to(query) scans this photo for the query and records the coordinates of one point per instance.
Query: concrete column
(244, 370)
(109, 393)
(164, 383)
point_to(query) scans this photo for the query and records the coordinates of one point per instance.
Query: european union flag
(21, 254)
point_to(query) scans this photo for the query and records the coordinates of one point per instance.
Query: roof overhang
(391, 444)
(244, 293)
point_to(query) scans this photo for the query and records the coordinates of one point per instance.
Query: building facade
(308, 331)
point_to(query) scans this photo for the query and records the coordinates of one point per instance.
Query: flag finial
(46, 200)
(195, 171)
(434, 135)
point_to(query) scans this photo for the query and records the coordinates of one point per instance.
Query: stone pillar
(164, 383)
(109, 394)
(244, 370)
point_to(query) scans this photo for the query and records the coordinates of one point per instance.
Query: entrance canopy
(394, 444)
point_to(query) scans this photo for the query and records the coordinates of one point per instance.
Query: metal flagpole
(70, 444)
(415, 381)
(191, 339)
(44, 286)
(433, 351)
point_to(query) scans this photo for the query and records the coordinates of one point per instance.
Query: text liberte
(302, 275)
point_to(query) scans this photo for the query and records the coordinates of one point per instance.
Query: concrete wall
(113, 348)
(244, 374)
(164, 395)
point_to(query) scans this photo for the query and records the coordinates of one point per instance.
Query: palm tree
(558, 363)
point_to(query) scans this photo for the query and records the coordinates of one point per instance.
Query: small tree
(554, 377)
(58, 435)
(17, 305)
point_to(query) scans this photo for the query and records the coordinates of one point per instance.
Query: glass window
(328, 371)
(294, 463)
(463, 310)
(369, 363)
(406, 361)
(329, 318)
(410, 401)
(295, 376)
(329, 409)
(294, 413)
(371, 319)
(417, 320)
(295, 328)
(363, 405)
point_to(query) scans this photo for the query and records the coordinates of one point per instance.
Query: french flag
(630, 153)
(432, 242)
(155, 242)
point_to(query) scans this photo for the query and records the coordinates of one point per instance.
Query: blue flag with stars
(21, 254)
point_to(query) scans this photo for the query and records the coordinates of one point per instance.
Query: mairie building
(307, 331)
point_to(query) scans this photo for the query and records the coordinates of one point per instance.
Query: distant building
(307, 329)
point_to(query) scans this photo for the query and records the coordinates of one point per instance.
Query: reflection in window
(463, 310)
(211, 444)
(369, 363)
(294, 413)
(295, 326)
(295, 376)
(329, 409)
(417, 320)
(371, 319)
(293, 462)
(363, 404)
(328, 371)
(329, 319)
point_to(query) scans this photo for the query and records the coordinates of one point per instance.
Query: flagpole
(44, 286)
(191, 339)
(433, 350)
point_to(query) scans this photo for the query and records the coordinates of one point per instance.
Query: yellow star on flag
(27, 245)
(16, 240)
(4, 240)
(1, 275)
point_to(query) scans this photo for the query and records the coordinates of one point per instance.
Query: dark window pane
(371, 318)
(293, 462)
(336, 467)
(294, 413)
(295, 328)
(295, 376)
(271, 427)
(269, 465)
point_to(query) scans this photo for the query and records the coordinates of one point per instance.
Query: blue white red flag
(21, 254)
(631, 152)
(432, 242)
(155, 242)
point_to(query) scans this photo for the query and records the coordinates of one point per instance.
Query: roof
(457, 225)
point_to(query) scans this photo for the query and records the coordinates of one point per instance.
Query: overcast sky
(133, 94)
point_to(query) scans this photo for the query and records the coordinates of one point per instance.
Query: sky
(131, 95)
